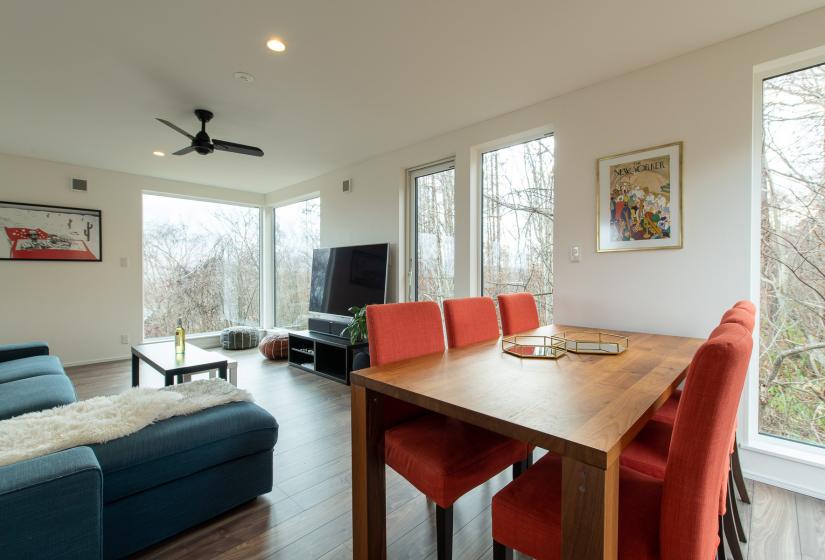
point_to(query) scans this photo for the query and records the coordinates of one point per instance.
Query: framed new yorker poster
(37, 232)
(639, 200)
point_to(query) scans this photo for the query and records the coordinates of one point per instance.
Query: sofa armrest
(24, 350)
(50, 507)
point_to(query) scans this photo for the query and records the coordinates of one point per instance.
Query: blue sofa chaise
(113, 499)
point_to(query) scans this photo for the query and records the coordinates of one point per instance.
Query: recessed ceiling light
(276, 44)
(158, 153)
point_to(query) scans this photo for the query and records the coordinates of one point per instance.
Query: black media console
(325, 355)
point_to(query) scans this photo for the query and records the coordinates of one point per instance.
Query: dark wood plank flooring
(307, 515)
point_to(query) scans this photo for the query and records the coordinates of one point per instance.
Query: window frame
(530, 136)
(273, 209)
(769, 445)
(261, 255)
(411, 266)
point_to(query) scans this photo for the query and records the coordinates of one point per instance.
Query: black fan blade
(184, 151)
(176, 127)
(225, 146)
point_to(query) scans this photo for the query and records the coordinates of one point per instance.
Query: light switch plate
(575, 253)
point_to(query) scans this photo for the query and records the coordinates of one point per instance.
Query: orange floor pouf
(274, 346)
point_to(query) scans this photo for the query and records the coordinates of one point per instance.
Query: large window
(201, 262)
(792, 320)
(432, 193)
(297, 233)
(517, 222)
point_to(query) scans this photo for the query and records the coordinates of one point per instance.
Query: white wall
(704, 99)
(82, 308)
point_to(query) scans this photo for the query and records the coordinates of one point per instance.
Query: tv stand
(322, 354)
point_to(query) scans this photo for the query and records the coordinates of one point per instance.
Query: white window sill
(784, 449)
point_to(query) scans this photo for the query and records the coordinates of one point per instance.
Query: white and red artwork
(49, 233)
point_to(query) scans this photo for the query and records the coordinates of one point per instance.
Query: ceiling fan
(204, 145)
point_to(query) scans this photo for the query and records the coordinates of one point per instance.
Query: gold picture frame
(639, 198)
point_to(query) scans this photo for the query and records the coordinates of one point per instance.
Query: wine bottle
(180, 338)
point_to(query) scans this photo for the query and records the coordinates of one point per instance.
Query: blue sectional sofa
(113, 499)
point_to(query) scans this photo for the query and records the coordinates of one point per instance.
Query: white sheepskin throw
(103, 419)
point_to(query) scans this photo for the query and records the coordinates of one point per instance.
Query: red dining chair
(470, 320)
(442, 457)
(667, 413)
(518, 313)
(648, 451)
(674, 518)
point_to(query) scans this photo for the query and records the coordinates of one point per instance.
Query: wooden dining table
(585, 408)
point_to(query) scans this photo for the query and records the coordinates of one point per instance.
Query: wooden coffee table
(161, 356)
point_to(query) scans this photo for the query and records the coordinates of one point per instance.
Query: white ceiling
(82, 80)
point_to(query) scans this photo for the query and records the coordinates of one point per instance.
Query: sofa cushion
(24, 368)
(183, 445)
(35, 393)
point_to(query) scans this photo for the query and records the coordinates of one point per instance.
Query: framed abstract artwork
(36, 232)
(639, 200)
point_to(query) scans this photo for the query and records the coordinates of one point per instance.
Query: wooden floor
(307, 514)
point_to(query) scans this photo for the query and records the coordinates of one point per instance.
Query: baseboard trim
(784, 484)
(796, 476)
(96, 361)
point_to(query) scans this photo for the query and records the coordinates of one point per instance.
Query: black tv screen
(343, 277)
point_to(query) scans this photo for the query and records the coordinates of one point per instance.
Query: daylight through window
(517, 222)
(433, 192)
(792, 325)
(297, 233)
(201, 262)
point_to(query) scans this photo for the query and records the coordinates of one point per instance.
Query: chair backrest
(399, 331)
(746, 305)
(470, 320)
(740, 316)
(700, 444)
(518, 312)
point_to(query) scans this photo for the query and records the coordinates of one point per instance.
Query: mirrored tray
(534, 346)
(594, 342)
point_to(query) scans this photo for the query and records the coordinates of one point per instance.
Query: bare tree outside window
(517, 222)
(201, 262)
(435, 235)
(297, 233)
(792, 317)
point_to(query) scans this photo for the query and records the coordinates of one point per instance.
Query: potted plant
(357, 330)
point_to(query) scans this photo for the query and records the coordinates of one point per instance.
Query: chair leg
(529, 460)
(730, 534)
(735, 510)
(501, 552)
(520, 467)
(444, 532)
(720, 550)
(736, 467)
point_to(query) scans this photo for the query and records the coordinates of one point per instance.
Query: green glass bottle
(180, 338)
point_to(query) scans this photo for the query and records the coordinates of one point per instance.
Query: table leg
(233, 373)
(135, 370)
(222, 371)
(369, 520)
(168, 380)
(589, 511)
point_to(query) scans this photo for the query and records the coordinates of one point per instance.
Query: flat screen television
(343, 277)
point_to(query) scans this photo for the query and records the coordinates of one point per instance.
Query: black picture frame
(58, 242)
